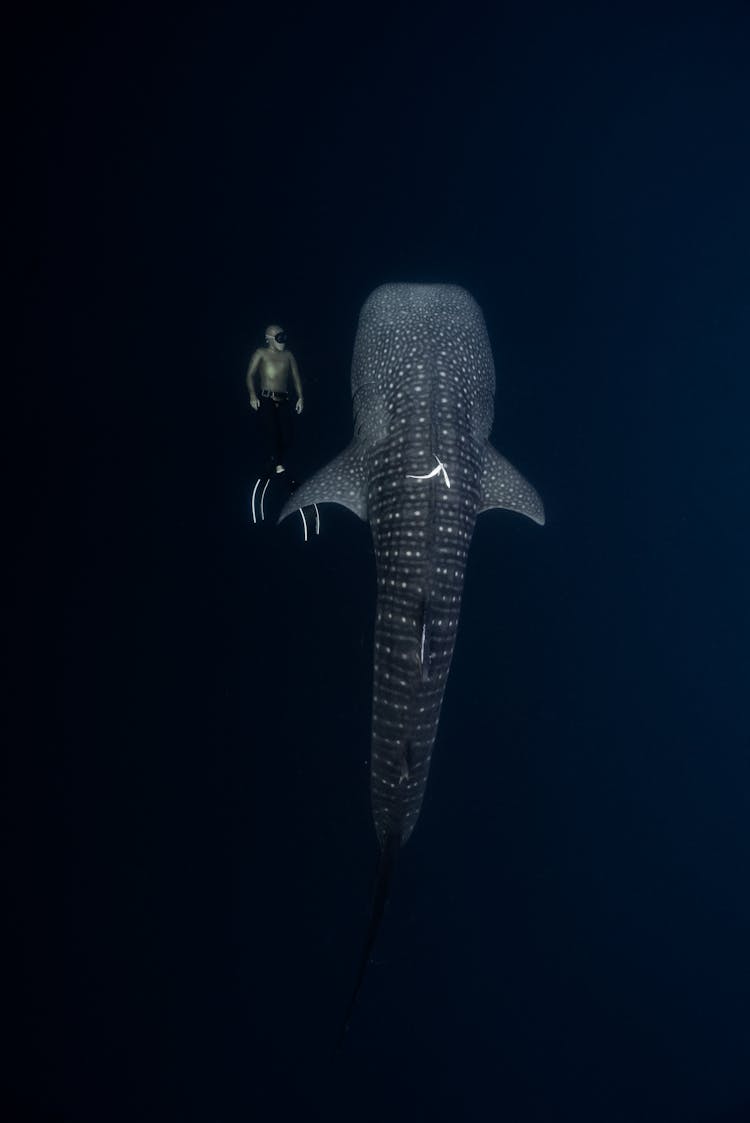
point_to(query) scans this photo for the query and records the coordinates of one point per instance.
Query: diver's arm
(297, 383)
(254, 364)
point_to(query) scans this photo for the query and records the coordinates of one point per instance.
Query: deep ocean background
(190, 843)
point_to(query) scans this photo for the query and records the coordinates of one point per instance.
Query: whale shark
(419, 469)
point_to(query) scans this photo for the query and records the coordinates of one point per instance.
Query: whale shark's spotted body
(420, 470)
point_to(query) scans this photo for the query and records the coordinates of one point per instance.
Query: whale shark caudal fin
(383, 881)
(504, 486)
(342, 481)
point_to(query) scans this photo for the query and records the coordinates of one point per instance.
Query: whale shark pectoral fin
(504, 486)
(342, 481)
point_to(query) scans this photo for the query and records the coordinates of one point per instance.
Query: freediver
(273, 365)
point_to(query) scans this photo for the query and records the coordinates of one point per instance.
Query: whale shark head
(415, 340)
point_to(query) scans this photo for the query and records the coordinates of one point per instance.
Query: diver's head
(275, 337)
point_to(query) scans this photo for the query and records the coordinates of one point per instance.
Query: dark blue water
(191, 845)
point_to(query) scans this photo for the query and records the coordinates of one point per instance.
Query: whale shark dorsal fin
(504, 486)
(343, 481)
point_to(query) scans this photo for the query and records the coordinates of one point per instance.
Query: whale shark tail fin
(383, 882)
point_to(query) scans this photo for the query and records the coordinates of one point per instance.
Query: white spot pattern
(423, 385)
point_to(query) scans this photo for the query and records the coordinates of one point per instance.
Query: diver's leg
(284, 413)
(269, 425)
(279, 453)
(268, 435)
